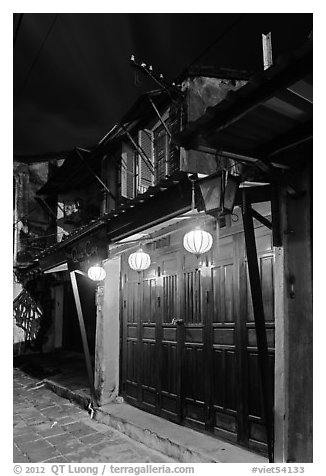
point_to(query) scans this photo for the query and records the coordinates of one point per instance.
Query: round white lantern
(96, 273)
(197, 241)
(139, 260)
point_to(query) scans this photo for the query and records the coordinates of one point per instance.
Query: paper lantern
(96, 273)
(197, 241)
(139, 261)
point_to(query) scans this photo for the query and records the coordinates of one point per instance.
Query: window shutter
(145, 168)
(127, 175)
(174, 155)
(161, 146)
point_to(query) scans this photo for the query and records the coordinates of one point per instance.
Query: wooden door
(169, 338)
(131, 376)
(189, 345)
(224, 341)
(195, 366)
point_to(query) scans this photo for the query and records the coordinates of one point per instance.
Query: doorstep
(179, 442)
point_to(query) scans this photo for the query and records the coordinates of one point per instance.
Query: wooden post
(267, 50)
(259, 317)
(83, 334)
(276, 216)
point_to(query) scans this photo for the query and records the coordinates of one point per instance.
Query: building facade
(206, 341)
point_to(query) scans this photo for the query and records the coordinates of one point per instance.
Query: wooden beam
(276, 215)
(236, 105)
(139, 149)
(95, 175)
(83, 335)
(297, 135)
(262, 219)
(160, 117)
(259, 317)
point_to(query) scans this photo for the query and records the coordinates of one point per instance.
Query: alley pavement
(48, 428)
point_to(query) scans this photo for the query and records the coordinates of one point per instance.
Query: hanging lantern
(96, 273)
(219, 192)
(139, 261)
(197, 241)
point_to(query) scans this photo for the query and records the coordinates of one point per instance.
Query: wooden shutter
(128, 174)
(173, 165)
(161, 146)
(145, 167)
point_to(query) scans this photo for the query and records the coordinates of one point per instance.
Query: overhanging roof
(272, 112)
(72, 173)
(80, 165)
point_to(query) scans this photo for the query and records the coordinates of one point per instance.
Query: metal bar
(262, 219)
(83, 335)
(95, 175)
(259, 317)
(160, 117)
(159, 81)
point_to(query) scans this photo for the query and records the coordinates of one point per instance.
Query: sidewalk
(176, 442)
(48, 428)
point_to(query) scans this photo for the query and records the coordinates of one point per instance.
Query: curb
(81, 400)
(145, 436)
(153, 440)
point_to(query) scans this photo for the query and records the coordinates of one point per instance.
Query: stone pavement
(49, 428)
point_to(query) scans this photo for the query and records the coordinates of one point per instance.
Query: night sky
(73, 79)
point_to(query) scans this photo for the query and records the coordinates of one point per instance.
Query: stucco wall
(107, 334)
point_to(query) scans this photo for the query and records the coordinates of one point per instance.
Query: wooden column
(259, 317)
(106, 378)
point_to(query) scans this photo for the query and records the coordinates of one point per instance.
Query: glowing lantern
(139, 261)
(197, 241)
(96, 273)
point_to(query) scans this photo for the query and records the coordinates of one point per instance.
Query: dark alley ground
(49, 428)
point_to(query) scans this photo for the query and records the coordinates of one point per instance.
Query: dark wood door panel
(189, 340)
(149, 373)
(223, 293)
(225, 379)
(169, 399)
(131, 369)
(193, 385)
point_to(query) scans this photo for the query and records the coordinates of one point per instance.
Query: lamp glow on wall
(96, 273)
(139, 261)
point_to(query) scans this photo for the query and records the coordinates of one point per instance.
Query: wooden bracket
(83, 336)
(261, 218)
(259, 318)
